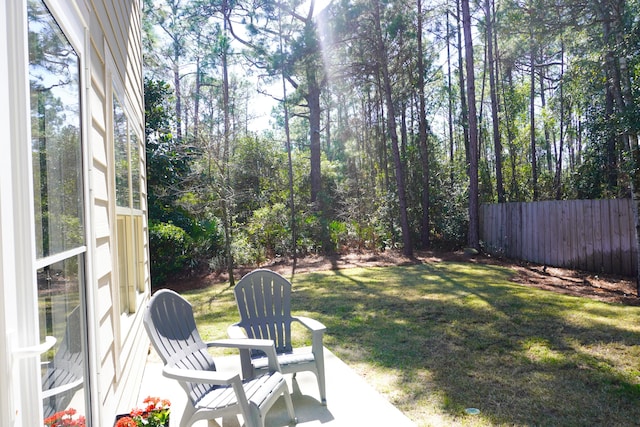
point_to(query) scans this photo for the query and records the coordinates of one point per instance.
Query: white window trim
(23, 401)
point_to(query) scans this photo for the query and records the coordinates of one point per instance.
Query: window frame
(23, 390)
(129, 240)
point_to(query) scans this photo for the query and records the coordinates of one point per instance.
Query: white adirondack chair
(264, 302)
(171, 326)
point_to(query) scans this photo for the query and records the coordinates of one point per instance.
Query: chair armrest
(236, 332)
(317, 332)
(200, 376)
(266, 346)
(311, 324)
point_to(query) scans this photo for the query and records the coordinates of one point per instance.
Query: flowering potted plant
(65, 419)
(155, 414)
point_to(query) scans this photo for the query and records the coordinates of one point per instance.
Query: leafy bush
(170, 250)
(268, 228)
(339, 235)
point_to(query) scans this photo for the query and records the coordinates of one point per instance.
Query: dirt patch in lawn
(609, 288)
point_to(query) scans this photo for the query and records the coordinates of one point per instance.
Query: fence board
(552, 234)
(607, 263)
(577, 237)
(616, 253)
(626, 222)
(524, 226)
(588, 232)
(598, 254)
(592, 235)
(563, 246)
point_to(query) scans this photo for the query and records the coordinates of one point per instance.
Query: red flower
(126, 422)
(65, 419)
(155, 414)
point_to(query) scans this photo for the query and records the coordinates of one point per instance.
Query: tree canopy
(390, 119)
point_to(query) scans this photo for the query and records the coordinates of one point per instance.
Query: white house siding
(116, 63)
(110, 49)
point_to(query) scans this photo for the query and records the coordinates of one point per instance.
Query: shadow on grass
(453, 335)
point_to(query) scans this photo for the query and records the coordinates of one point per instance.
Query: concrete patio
(351, 401)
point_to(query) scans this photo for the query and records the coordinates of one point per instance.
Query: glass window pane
(135, 170)
(62, 316)
(121, 147)
(55, 131)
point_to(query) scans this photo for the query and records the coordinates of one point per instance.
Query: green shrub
(268, 228)
(338, 233)
(170, 250)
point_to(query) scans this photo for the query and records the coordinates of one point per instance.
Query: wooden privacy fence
(591, 235)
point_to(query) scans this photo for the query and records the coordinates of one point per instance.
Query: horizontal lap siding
(591, 235)
(115, 42)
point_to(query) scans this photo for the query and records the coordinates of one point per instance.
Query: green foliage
(449, 214)
(219, 172)
(268, 228)
(338, 233)
(169, 250)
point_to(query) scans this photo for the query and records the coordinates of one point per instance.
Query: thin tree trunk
(294, 232)
(532, 118)
(450, 107)
(463, 97)
(510, 137)
(407, 249)
(474, 223)
(196, 108)
(558, 177)
(178, 94)
(226, 199)
(545, 125)
(497, 144)
(422, 126)
(313, 100)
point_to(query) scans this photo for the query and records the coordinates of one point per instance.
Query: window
(129, 222)
(56, 151)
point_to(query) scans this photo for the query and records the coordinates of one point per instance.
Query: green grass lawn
(438, 338)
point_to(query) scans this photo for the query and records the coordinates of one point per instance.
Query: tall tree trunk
(629, 106)
(450, 106)
(313, 101)
(403, 132)
(619, 83)
(285, 107)
(227, 194)
(497, 144)
(532, 118)
(612, 139)
(558, 177)
(196, 108)
(474, 220)
(407, 248)
(464, 111)
(515, 193)
(328, 148)
(545, 125)
(422, 126)
(178, 92)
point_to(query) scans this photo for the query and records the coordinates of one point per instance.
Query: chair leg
(289, 404)
(255, 418)
(321, 382)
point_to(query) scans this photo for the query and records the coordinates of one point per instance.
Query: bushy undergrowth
(169, 247)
